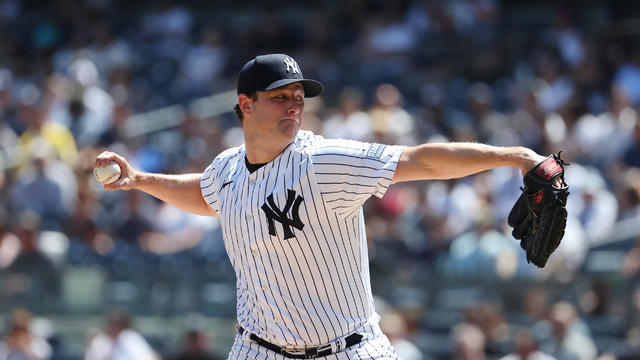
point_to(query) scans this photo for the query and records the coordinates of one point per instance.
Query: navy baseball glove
(539, 216)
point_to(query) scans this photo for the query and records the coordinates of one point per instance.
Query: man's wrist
(138, 179)
(523, 158)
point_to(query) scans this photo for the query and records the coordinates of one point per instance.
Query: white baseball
(107, 174)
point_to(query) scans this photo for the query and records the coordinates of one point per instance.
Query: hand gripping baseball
(126, 178)
(539, 216)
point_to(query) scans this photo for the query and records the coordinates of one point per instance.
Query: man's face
(277, 114)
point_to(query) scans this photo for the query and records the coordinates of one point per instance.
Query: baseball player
(290, 206)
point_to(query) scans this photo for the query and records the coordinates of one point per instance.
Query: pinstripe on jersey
(312, 287)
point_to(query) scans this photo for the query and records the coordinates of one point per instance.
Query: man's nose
(295, 108)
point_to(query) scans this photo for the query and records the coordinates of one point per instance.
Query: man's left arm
(456, 160)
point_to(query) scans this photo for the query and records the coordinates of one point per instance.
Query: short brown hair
(254, 97)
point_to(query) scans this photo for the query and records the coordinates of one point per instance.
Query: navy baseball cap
(268, 72)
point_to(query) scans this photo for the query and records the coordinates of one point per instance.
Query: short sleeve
(209, 188)
(349, 172)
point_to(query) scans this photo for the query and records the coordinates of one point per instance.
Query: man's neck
(262, 153)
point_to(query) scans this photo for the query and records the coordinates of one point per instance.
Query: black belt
(309, 353)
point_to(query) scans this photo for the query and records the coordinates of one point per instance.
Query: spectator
(119, 341)
(387, 41)
(489, 319)
(526, 348)
(9, 242)
(203, 63)
(567, 340)
(86, 238)
(556, 88)
(628, 349)
(32, 112)
(627, 77)
(81, 105)
(468, 342)
(111, 53)
(350, 121)
(195, 346)
(32, 278)
(167, 27)
(133, 225)
(394, 326)
(391, 123)
(38, 191)
(484, 251)
(19, 342)
(493, 126)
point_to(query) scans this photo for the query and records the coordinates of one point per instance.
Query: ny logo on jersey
(274, 213)
(291, 64)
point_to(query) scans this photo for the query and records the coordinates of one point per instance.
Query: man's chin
(290, 130)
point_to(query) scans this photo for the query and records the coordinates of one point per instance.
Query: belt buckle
(311, 353)
(293, 354)
(317, 352)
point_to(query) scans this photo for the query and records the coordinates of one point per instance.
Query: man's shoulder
(224, 161)
(306, 141)
(313, 144)
(305, 137)
(316, 145)
(230, 154)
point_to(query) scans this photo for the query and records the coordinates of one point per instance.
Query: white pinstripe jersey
(294, 232)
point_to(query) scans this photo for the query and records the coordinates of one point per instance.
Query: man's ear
(245, 103)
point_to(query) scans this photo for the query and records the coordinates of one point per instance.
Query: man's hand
(539, 216)
(128, 178)
(531, 160)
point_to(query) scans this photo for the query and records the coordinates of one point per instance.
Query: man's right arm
(181, 190)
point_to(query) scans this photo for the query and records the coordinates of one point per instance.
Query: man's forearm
(455, 160)
(181, 191)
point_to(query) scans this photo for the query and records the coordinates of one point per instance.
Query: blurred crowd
(550, 77)
(32, 338)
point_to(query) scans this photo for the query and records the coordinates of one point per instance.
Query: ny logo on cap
(291, 64)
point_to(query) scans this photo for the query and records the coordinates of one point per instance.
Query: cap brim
(311, 87)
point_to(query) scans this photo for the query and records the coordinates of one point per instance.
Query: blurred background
(155, 81)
